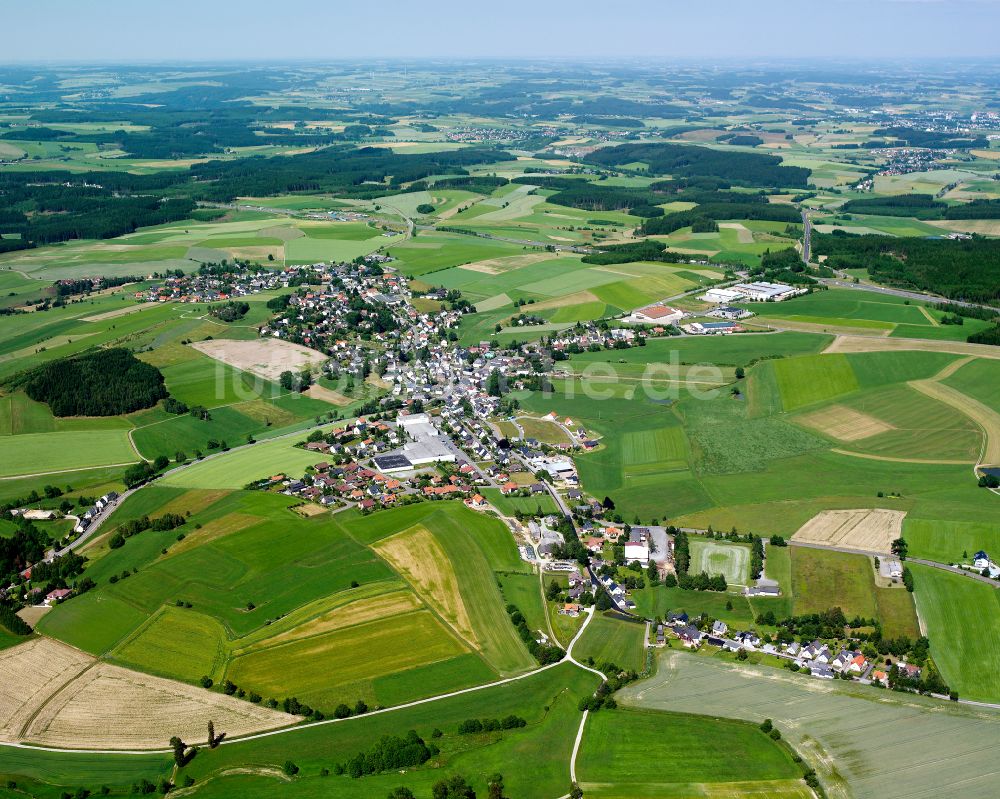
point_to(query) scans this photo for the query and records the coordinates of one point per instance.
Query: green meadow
(610, 638)
(963, 625)
(628, 752)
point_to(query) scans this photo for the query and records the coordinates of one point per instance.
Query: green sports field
(717, 557)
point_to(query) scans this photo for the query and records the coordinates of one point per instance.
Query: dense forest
(958, 269)
(923, 206)
(99, 383)
(679, 160)
(771, 212)
(364, 173)
(645, 250)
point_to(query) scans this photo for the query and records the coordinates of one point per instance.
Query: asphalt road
(903, 293)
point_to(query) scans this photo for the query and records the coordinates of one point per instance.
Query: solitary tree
(899, 548)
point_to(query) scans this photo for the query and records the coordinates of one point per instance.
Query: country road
(934, 564)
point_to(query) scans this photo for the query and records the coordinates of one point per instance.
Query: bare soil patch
(309, 509)
(844, 424)
(856, 343)
(32, 614)
(267, 358)
(865, 529)
(743, 236)
(327, 395)
(128, 309)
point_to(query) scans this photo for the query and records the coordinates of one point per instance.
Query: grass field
(833, 726)
(630, 752)
(430, 545)
(548, 702)
(612, 639)
(716, 557)
(39, 452)
(511, 505)
(235, 470)
(824, 579)
(963, 625)
(808, 380)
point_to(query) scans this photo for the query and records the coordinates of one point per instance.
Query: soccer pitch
(716, 557)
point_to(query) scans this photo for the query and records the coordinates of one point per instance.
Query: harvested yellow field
(417, 556)
(987, 418)
(865, 529)
(360, 612)
(29, 674)
(856, 343)
(267, 358)
(843, 423)
(193, 501)
(109, 707)
(217, 528)
(985, 227)
(743, 235)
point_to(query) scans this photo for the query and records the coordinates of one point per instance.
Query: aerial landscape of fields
(521, 404)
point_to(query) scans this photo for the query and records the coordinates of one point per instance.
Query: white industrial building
(721, 296)
(427, 446)
(766, 292)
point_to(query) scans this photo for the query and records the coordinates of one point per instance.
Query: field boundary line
(934, 322)
(66, 471)
(985, 417)
(891, 459)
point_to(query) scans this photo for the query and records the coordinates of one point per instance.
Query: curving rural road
(285, 730)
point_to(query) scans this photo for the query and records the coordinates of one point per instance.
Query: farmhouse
(655, 314)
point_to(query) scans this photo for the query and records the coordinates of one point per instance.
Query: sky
(122, 31)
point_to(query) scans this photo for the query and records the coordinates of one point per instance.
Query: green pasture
(963, 624)
(630, 752)
(32, 453)
(473, 560)
(610, 638)
(236, 469)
